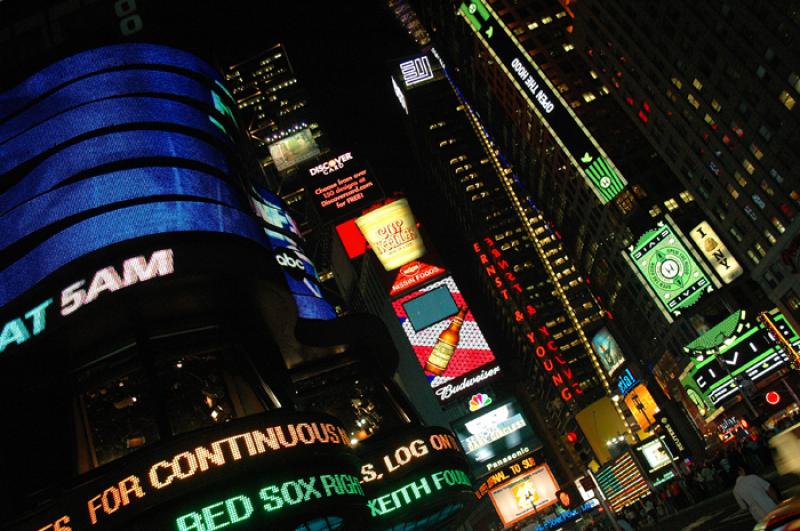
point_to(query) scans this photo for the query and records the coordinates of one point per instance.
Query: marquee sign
(667, 266)
(218, 465)
(585, 153)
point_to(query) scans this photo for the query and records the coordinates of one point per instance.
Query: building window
(777, 224)
(677, 82)
(671, 204)
(740, 178)
(547, 20)
(735, 233)
(768, 235)
(733, 191)
(697, 84)
(787, 100)
(686, 196)
(752, 256)
(794, 81)
(693, 101)
(716, 106)
(760, 250)
(767, 188)
(568, 46)
(655, 211)
(748, 166)
(756, 151)
(588, 97)
(765, 133)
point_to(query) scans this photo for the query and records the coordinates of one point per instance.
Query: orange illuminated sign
(641, 404)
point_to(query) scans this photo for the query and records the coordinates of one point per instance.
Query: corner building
(155, 302)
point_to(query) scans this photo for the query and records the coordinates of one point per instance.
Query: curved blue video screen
(116, 144)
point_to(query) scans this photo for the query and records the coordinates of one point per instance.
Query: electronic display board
(495, 435)
(472, 362)
(391, 231)
(430, 307)
(249, 470)
(586, 155)
(642, 406)
(663, 260)
(751, 354)
(286, 243)
(622, 482)
(158, 112)
(342, 187)
(608, 350)
(656, 456)
(525, 495)
(294, 149)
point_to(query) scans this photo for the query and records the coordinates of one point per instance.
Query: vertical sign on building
(720, 258)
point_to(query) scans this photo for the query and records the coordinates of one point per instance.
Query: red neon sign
(544, 348)
(773, 398)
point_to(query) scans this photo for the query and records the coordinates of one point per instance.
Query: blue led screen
(116, 144)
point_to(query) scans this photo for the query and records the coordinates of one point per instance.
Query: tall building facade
(722, 99)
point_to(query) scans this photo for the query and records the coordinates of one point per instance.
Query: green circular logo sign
(670, 269)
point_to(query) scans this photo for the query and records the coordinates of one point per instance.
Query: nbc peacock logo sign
(478, 401)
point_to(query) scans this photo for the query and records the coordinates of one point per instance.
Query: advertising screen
(641, 404)
(655, 454)
(717, 254)
(622, 482)
(342, 187)
(430, 307)
(608, 351)
(294, 149)
(586, 154)
(751, 354)
(525, 495)
(493, 435)
(661, 257)
(471, 361)
(391, 231)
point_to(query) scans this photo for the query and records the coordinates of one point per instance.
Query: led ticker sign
(272, 498)
(337, 193)
(79, 294)
(491, 436)
(525, 495)
(716, 253)
(663, 260)
(542, 346)
(415, 491)
(472, 361)
(391, 231)
(294, 149)
(608, 350)
(162, 473)
(514, 60)
(751, 353)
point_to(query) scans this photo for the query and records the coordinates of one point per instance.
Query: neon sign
(406, 495)
(271, 498)
(716, 252)
(73, 297)
(626, 381)
(416, 71)
(669, 269)
(478, 401)
(544, 348)
(584, 151)
(435, 441)
(330, 166)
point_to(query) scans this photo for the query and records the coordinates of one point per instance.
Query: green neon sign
(269, 499)
(665, 263)
(413, 491)
(585, 153)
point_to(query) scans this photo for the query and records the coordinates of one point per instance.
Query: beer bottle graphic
(445, 345)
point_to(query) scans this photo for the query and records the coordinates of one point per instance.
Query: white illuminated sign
(416, 71)
(525, 495)
(400, 96)
(715, 252)
(330, 166)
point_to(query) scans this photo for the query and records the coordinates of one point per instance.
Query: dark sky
(342, 53)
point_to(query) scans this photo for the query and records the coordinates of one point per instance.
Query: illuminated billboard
(750, 354)
(391, 231)
(341, 187)
(642, 406)
(622, 482)
(294, 149)
(495, 436)
(82, 116)
(525, 495)
(584, 151)
(717, 254)
(298, 270)
(256, 469)
(470, 362)
(662, 259)
(608, 350)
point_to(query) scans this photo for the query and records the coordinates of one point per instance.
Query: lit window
(716, 106)
(740, 178)
(748, 166)
(593, 74)
(752, 256)
(777, 224)
(736, 234)
(696, 84)
(561, 14)
(760, 250)
(733, 191)
(756, 151)
(671, 204)
(575, 104)
(533, 25)
(787, 100)
(655, 211)
(686, 196)
(794, 81)
(693, 101)
(604, 89)
(588, 96)
(710, 121)
(547, 20)
(567, 46)
(770, 238)
(677, 82)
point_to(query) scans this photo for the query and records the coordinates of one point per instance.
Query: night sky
(342, 53)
